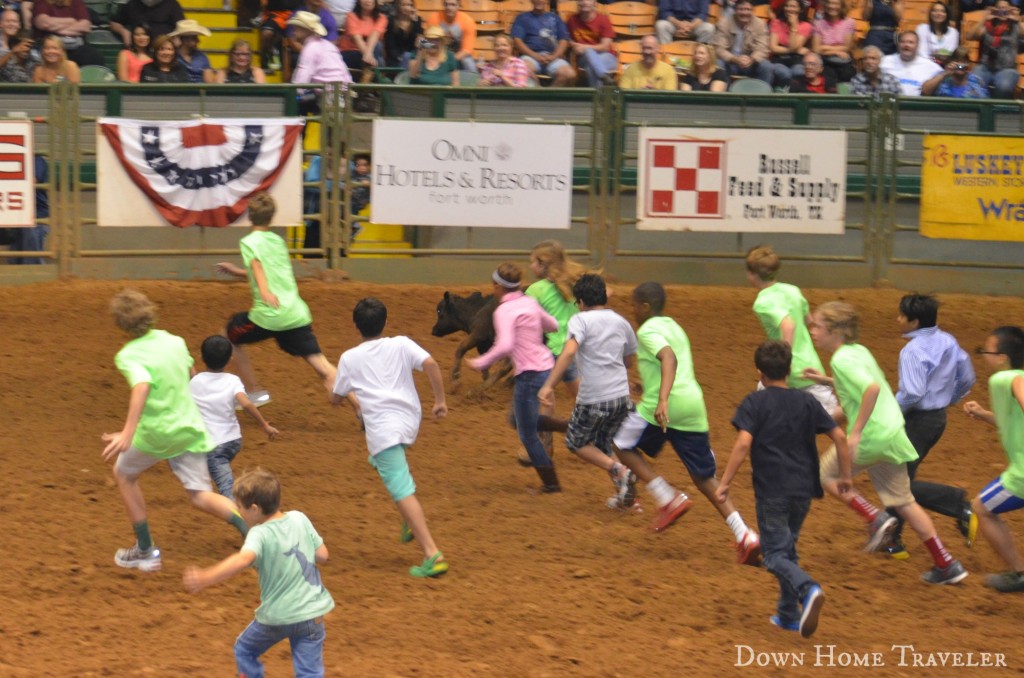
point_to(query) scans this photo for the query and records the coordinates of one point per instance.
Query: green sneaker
(434, 566)
(1007, 582)
(406, 536)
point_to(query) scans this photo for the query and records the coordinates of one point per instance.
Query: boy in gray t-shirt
(604, 346)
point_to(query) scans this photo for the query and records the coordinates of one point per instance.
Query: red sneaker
(748, 551)
(671, 512)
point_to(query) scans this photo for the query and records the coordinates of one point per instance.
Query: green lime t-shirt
(290, 586)
(558, 307)
(883, 437)
(170, 424)
(272, 253)
(774, 304)
(1010, 420)
(686, 410)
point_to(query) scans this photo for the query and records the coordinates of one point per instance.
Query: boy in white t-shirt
(604, 346)
(376, 378)
(218, 394)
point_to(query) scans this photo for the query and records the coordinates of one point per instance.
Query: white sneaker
(134, 557)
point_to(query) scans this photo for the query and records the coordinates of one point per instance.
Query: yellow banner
(972, 188)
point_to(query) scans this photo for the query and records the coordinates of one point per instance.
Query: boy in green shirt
(876, 438)
(783, 312)
(672, 410)
(163, 423)
(277, 309)
(1004, 351)
(285, 549)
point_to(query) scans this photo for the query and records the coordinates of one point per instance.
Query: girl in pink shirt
(519, 327)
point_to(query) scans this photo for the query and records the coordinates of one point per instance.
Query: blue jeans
(219, 463)
(526, 408)
(598, 64)
(306, 639)
(762, 70)
(1003, 82)
(779, 519)
(29, 240)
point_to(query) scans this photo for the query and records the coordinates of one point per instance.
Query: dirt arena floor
(539, 585)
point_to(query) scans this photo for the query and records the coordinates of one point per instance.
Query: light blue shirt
(934, 371)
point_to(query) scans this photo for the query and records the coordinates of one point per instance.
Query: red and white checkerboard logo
(686, 179)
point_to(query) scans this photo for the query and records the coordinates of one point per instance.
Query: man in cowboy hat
(195, 61)
(319, 61)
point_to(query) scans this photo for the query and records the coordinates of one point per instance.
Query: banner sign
(17, 175)
(433, 173)
(196, 172)
(763, 180)
(972, 188)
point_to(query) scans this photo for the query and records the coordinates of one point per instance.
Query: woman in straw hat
(434, 64)
(195, 61)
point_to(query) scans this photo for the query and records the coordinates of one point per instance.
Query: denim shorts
(393, 469)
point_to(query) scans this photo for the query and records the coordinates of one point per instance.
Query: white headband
(507, 284)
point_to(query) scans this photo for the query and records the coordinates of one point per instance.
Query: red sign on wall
(17, 175)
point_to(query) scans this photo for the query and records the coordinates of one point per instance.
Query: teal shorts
(394, 471)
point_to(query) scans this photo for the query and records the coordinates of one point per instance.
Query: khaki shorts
(190, 468)
(890, 481)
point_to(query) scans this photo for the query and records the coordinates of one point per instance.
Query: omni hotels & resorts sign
(764, 180)
(972, 188)
(436, 173)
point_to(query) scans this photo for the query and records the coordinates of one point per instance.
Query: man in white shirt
(917, 74)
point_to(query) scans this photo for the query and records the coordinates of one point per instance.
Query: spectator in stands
(461, 31)
(195, 61)
(25, 12)
(650, 72)
(506, 70)
(834, 34)
(937, 36)
(883, 17)
(362, 45)
(999, 38)
(590, 39)
(741, 44)
(340, 10)
(917, 75)
(319, 61)
(434, 63)
(318, 7)
(704, 75)
(815, 80)
(542, 41)
(403, 35)
(10, 24)
(872, 80)
(683, 20)
(165, 66)
(131, 59)
(69, 22)
(20, 61)
(54, 65)
(273, 24)
(161, 16)
(959, 82)
(789, 39)
(240, 69)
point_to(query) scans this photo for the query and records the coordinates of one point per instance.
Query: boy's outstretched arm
(545, 394)
(740, 450)
(121, 441)
(261, 284)
(430, 366)
(845, 481)
(196, 579)
(254, 412)
(230, 269)
(974, 410)
(669, 363)
(818, 377)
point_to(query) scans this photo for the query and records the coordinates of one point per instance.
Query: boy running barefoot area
(776, 427)
(285, 549)
(218, 394)
(277, 309)
(604, 345)
(672, 410)
(1004, 351)
(783, 312)
(376, 378)
(163, 423)
(876, 437)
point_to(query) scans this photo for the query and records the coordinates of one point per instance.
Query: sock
(939, 553)
(661, 491)
(863, 507)
(142, 535)
(239, 524)
(738, 527)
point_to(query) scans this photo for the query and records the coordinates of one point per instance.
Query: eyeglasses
(981, 351)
